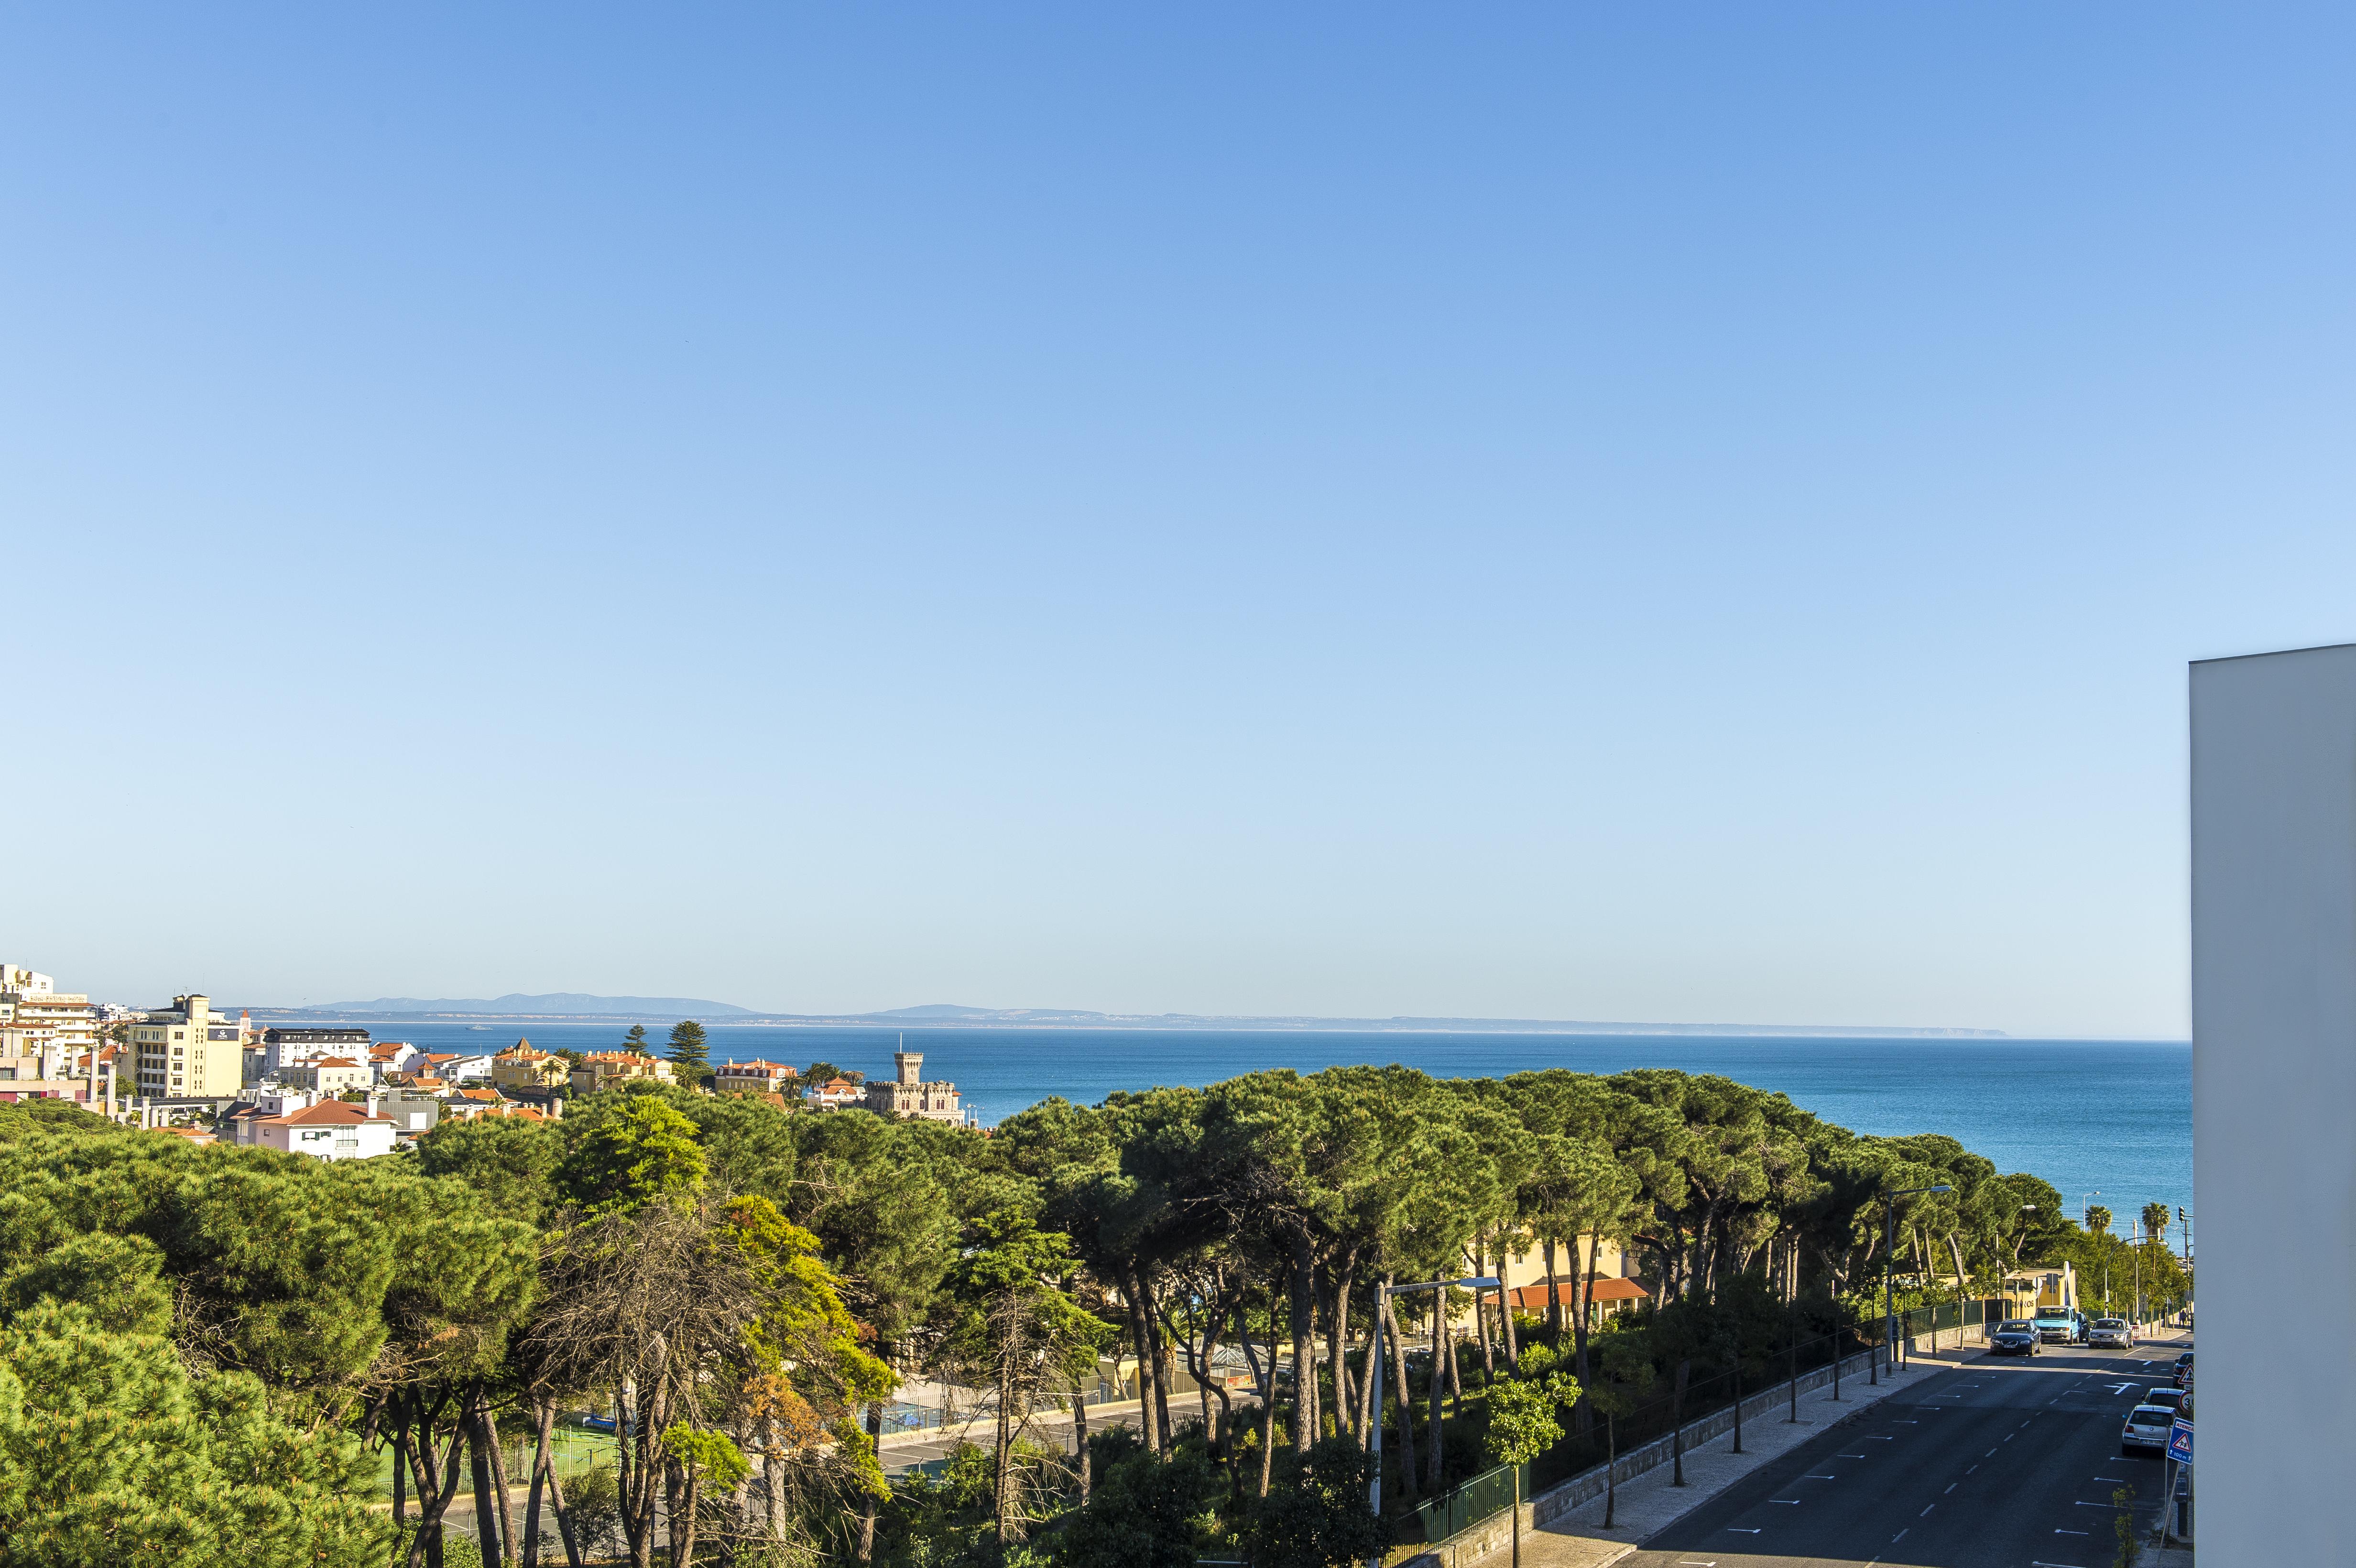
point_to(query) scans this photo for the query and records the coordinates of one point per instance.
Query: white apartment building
(329, 1075)
(187, 1050)
(32, 1001)
(2274, 1081)
(332, 1129)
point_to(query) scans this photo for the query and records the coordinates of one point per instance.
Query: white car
(2148, 1426)
(2112, 1332)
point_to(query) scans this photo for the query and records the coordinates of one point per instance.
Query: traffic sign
(2179, 1441)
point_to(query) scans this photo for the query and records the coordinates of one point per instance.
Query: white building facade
(2274, 1100)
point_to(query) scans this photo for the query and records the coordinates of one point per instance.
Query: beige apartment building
(187, 1050)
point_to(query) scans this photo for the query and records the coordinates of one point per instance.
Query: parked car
(2173, 1398)
(2112, 1332)
(2014, 1337)
(2184, 1370)
(2148, 1426)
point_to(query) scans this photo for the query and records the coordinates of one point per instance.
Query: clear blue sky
(1674, 513)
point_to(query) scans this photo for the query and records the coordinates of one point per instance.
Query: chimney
(908, 1065)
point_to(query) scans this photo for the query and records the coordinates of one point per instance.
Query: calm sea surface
(2108, 1115)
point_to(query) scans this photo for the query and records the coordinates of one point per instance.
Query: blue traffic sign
(2179, 1441)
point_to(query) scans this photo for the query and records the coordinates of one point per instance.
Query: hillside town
(191, 1071)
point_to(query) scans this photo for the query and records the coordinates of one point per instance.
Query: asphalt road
(1998, 1464)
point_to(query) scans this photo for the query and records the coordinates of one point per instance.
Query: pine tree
(635, 1041)
(690, 1058)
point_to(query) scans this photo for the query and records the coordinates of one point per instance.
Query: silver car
(2112, 1333)
(2148, 1426)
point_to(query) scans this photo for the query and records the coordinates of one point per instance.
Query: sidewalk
(1648, 1503)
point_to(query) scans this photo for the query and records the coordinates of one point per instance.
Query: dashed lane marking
(2068, 1532)
(1837, 1478)
(1900, 1536)
(1736, 1529)
(1926, 1512)
(1951, 1486)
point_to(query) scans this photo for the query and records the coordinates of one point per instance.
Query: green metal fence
(1464, 1506)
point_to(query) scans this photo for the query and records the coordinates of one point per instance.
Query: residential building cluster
(335, 1092)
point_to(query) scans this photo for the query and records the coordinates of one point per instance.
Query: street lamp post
(1889, 1197)
(1383, 1293)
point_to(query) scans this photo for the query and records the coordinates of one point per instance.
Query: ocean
(2113, 1118)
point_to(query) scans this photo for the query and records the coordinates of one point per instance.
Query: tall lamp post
(1889, 1197)
(1383, 1293)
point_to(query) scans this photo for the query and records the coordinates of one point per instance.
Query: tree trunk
(543, 1422)
(1580, 1329)
(1304, 1363)
(1141, 1337)
(1264, 1384)
(564, 1520)
(438, 1482)
(1481, 1317)
(1434, 1458)
(1268, 1401)
(1505, 1316)
(1338, 1330)
(1407, 1397)
(1079, 1440)
(1003, 1497)
(479, 1455)
(1405, 1400)
(1554, 1291)
(1162, 1378)
(867, 1503)
(499, 1488)
(773, 1482)
(683, 1521)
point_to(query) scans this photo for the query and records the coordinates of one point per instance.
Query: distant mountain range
(560, 1005)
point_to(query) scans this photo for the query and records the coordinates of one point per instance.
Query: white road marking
(1869, 1437)
(1899, 1537)
(2068, 1532)
(1926, 1512)
(1732, 1529)
(2114, 1480)
(1837, 1478)
(1973, 1468)
(1951, 1486)
(1849, 1456)
(1989, 1455)
(1794, 1501)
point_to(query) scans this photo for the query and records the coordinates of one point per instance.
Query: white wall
(2274, 1102)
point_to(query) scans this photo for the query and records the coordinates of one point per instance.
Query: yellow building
(526, 1068)
(610, 1068)
(187, 1050)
